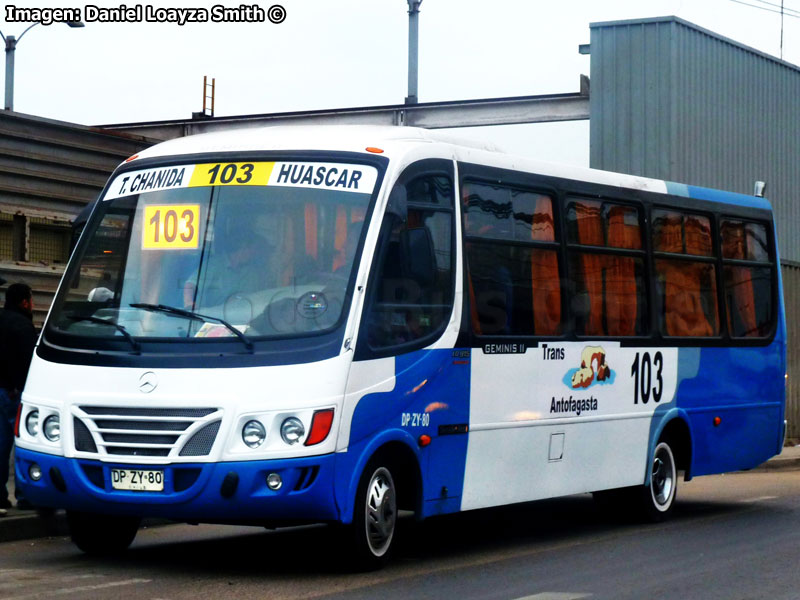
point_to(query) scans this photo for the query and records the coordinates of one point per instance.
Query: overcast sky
(347, 53)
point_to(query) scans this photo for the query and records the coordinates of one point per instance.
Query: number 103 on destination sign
(171, 227)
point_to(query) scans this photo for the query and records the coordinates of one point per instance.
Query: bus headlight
(253, 434)
(32, 423)
(52, 428)
(292, 430)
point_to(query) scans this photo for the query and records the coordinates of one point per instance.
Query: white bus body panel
(269, 394)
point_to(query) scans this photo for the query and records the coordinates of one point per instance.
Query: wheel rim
(381, 512)
(662, 477)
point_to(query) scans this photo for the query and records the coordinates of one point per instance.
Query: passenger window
(687, 298)
(686, 289)
(412, 286)
(680, 233)
(512, 258)
(608, 288)
(748, 287)
(595, 223)
(744, 241)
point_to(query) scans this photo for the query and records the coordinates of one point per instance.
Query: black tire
(101, 534)
(372, 533)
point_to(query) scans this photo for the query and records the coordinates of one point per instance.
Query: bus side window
(686, 288)
(513, 276)
(608, 280)
(748, 285)
(412, 285)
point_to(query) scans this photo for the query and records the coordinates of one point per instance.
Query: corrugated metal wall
(791, 293)
(49, 170)
(674, 101)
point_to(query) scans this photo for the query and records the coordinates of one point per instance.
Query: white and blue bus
(289, 325)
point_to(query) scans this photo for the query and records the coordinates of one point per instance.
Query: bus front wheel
(374, 517)
(101, 534)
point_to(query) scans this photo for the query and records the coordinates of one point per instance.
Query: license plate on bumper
(137, 480)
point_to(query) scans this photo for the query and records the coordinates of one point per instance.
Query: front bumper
(230, 492)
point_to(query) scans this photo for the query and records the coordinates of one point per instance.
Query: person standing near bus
(17, 340)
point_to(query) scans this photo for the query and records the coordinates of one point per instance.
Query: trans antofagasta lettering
(573, 405)
(153, 180)
(334, 177)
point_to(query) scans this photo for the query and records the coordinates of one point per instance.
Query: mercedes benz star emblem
(148, 382)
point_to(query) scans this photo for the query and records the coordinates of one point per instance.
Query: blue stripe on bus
(305, 494)
(703, 193)
(740, 378)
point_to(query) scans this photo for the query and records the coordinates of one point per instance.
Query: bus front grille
(124, 431)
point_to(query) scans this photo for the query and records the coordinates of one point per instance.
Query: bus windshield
(221, 260)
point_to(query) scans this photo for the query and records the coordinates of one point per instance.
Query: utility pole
(413, 50)
(11, 47)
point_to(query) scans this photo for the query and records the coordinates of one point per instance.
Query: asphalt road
(732, 536)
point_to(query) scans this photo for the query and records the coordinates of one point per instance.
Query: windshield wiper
(119, 328)
(172, 310)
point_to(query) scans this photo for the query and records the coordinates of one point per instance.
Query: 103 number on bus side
(647, 377)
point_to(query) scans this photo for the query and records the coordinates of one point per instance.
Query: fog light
(292, 430)
(32, 423)
(253, 434)
(274, 481)
(35, 471)
(52, 428)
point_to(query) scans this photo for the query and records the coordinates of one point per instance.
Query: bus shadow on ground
(318, 550)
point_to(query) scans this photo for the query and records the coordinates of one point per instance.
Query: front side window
(262, 249)
(411, 288)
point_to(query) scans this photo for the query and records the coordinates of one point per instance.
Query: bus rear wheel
(650, 502)
(101, 534)
(374, 517)
(658, 498)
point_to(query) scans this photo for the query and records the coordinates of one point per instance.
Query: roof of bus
(396, 141)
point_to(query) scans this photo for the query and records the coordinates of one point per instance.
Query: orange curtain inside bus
(544, 272)
(687, 284)
(620, 272)
(590, 232)
(311, 230)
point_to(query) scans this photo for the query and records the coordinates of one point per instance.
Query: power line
(780, 6)
(777, 12)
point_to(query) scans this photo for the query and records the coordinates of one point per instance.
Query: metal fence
(48, 241)
(6, 237)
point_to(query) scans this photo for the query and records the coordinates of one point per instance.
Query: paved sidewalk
(30, 524)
